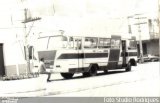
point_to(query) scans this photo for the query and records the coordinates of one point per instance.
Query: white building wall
(13, 50)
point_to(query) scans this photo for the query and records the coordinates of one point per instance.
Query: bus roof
(57, 33)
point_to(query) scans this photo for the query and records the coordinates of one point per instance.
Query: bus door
(114, 54)
(80, 56)
(124, 61)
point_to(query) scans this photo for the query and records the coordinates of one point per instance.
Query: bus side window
(71, 42)
(90, 42)
(93, 42)
(107, 43)
(87, 43)
(101, 43)
(104, 43)
(64, 41)
(115, 43)
(78, 44)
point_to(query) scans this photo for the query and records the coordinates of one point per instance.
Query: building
(146, 29)
(12, 55)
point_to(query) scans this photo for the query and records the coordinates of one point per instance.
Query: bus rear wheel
(128, 68)
(93, 70)
(67, 75)
(86, 74)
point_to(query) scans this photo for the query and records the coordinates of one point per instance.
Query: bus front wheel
(67, 75)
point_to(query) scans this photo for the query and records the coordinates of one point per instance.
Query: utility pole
(26, 42)
(139, 30)
(27, 20)
(129, 25)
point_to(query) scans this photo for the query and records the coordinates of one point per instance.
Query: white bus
(68, 55)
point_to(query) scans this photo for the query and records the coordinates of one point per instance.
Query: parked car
(145, 59)
(149, 58)
(153, 58)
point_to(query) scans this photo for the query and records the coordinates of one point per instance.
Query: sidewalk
(24, 87)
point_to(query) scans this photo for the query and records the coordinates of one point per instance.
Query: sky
(88, 7)
(78, 8)
(76, 16)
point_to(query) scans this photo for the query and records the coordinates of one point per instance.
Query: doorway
(2, 68)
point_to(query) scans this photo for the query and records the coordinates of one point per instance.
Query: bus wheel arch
(67, 75)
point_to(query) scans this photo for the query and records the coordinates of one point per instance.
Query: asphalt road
(143, 80)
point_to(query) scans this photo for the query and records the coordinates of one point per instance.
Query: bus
(68, 55)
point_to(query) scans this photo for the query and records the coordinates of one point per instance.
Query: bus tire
(93, 70)
(67, 75)
(128, 68)
(86, 74)
(105, 71)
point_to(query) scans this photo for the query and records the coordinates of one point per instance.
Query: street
(143, 80)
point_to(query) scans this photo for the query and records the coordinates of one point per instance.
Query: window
(42, 43)
(57, 42)
(78, 44)
(132, 44)
(71, 42)
(90, 42)
(104, 43)
(115, 43)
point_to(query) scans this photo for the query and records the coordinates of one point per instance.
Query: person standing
(42, 69)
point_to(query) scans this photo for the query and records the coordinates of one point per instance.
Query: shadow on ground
(99, 74)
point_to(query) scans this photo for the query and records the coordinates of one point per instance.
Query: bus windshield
(52, 42)
(42, 43)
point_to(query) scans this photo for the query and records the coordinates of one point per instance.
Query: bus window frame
(71, 43)
(92, 46)
(129, 47)
(49, 38)
(116, 46)
(103, 46)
